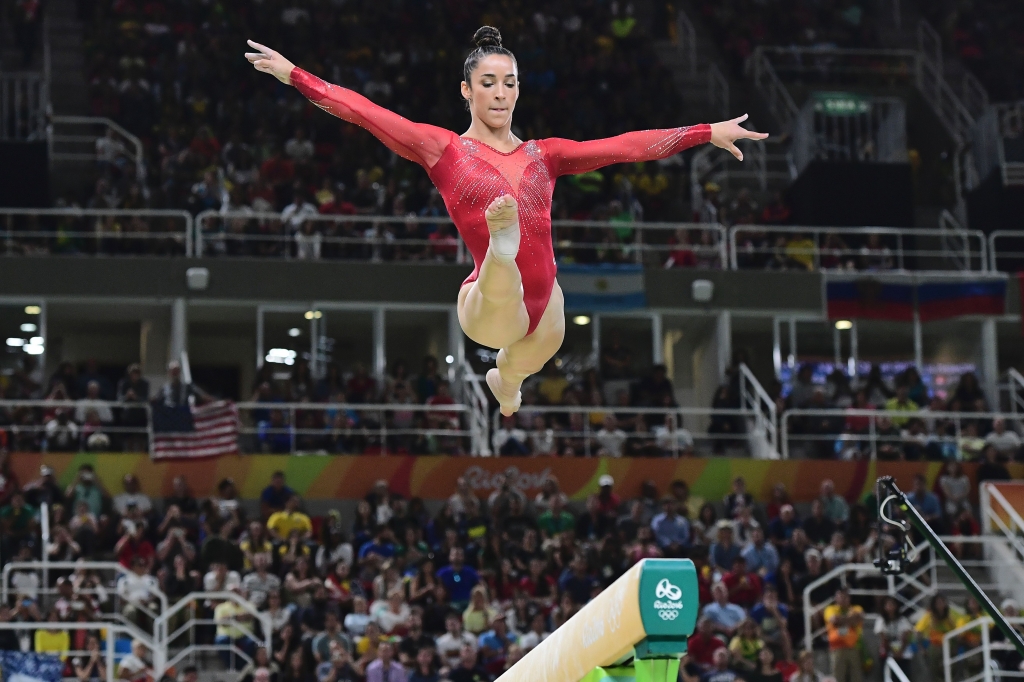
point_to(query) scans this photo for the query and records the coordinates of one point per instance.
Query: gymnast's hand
(723, 135)
(269, 61)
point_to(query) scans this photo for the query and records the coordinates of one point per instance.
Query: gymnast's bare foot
(503, 221)
(508, 403)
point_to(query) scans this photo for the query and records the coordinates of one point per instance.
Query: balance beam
(648, 613)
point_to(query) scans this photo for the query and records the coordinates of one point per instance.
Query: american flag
(206, 431)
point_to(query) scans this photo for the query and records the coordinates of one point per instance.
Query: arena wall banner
(433, 478)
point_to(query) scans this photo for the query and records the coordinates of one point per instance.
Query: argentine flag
(600, 288)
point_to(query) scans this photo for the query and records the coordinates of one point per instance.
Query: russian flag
(869, 299)
(942, 300)
(597, 288)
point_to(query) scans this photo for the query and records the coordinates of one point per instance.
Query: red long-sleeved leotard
(470, 174)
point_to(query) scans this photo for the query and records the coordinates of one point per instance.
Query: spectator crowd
(393, 591)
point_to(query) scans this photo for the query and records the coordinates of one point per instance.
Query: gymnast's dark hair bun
(487, 36)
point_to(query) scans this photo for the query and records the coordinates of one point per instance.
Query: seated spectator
(739, 497)
(671, 531)
(282, 523)
(743, 525)
(807, 671)
(724, 551)
(261, 582)
(761, 557)
(673, 440)
(494, 644)
(275, 496)
(991, 469)
(703, 644)
(720, 671)
(132, 497)
(450, 646)
(780, 530)
(509, 439)
(458, 579)
(895, 635)
(956, 489)
(61, 433)
(394, 619)
(725, 616)
(466, 668)
(134, 667)
(56, 642)
(745, 646)
(537, 632)
(422, 667)
(818, 527)
(611, 439)
(926, 503)
(233, 629)
(744, 586)
(772, 617)
(93, 403)
(1006, 442)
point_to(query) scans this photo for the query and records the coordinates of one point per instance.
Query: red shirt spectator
(703, 644)
(744, 587)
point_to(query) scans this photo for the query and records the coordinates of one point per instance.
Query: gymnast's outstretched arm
(566, 157)
(418, 142)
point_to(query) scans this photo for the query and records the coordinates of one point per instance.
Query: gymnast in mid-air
(498, 191)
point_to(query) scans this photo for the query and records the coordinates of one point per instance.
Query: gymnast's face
(493, 90)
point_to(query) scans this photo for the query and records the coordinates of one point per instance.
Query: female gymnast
(498, 192)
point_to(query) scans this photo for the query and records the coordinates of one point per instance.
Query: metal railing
(385, 238)
(956, 241)
(774, 91)
(23, 106)
(678, 427)
(94, 139)
(775, 246)
(1013, 252)
(112, 630)
(343, 427)
(80, 429)
(718, 91)
(1016, 386)
(876, 134)
(892, 672)
(163, 661)
(869, 439)
(966, 660)
(764, 435)
(686, 36)
(474, 395)
(113, 231)
(121, 573)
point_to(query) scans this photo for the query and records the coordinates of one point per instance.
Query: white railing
(95, 230)
(95, 139)
(956, 241)
(875, 435)
(686, 36)
(475, 396)
(968, 659)
(763, 432)
(1016, 386)
(774, 91)
(897, 247)
(842, 573)
(163, 661)
(382, 238)
(23, 106)
(718, 91)
(1014, 252)
(359, 422)
(893, 672)
(680, 424)
(48, 408)
(46, 565)
(112, 630)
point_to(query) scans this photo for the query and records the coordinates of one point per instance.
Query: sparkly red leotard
(470, 175)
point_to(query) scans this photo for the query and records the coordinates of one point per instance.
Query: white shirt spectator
(231, 581)
(60, 436)
(102, 410)
(355, 623)
(140, 500)
(531, 639)
(298, 150)
(308, 245)
(542, 442)
(449, 647)
(611, 441)
(137, 589)
(1007, 442)
(325, 558)
(258, 587)
(389, 620)
(667, 440)
(296, 213)
(26, 584)
(502, 435)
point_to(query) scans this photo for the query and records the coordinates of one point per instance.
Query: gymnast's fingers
(262, 48)
(734, 150)
(752, 135)
(739, 119)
